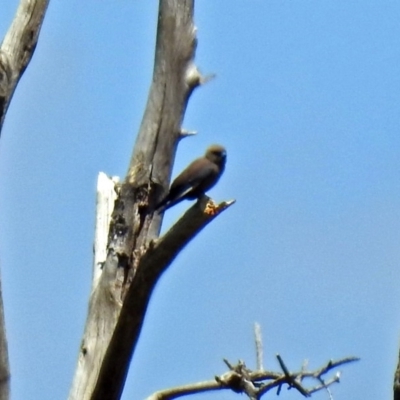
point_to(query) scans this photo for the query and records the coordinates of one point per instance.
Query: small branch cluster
(257, 383)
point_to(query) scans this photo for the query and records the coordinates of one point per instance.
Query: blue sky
(307, 102)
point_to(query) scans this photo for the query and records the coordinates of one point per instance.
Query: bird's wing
(194, 175)
(190, 179)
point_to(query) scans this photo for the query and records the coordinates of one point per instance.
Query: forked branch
(257, 383)
(133, 258)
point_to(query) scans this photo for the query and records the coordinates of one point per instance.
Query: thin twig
(259, 346)
(255, 384)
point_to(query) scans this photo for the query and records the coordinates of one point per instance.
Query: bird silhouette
(198, 177)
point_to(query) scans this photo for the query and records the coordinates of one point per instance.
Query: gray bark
(18, 47)
(134, 259)
(16, 51)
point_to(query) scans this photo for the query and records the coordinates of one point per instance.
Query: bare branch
(18, 47)
(259, 346)
(174, 393)
(255, 384)
(294, 379)
(133, 225)
(16, 51)
(290, 379)
(195, 78)
(185, 133)
(152, 264)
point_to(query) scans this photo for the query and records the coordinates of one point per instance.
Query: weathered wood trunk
(16, 51)
(133, 258)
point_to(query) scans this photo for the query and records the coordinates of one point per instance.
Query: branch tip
(185, 133)
(208, 78)
(259, 346)
(194, 78)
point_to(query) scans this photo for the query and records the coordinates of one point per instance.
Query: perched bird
(201, 175)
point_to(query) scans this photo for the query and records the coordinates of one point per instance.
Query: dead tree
(129, 256)
(16, 51)
(128, 259)
(132, 257)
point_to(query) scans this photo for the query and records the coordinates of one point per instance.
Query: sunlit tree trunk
(16, 51)
(128, 257)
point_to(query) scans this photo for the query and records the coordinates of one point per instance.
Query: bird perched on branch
(201, 175)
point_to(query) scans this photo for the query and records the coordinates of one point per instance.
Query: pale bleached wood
(106, 196)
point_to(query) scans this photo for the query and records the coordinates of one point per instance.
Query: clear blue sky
(307, 102)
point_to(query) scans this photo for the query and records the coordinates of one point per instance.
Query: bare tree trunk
(16, 52)
(133, 260)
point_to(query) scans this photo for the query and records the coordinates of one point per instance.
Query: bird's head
(216, 154)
